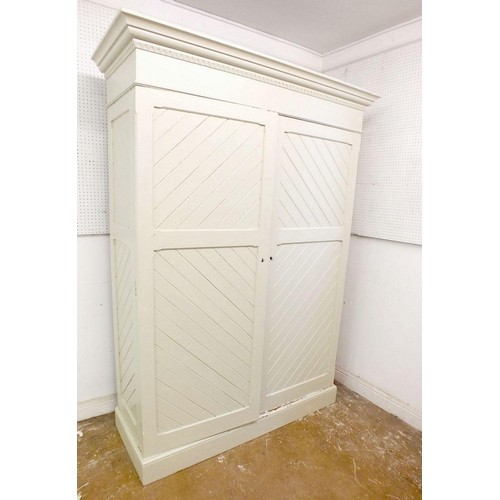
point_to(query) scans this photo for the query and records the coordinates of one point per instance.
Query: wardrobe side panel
(121, 130)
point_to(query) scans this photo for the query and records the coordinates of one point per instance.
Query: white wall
(379, 353)
(96, 387)
(380, 347)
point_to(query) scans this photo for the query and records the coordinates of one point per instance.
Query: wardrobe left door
(205, 185)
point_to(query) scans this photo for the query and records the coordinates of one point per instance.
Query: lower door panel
(301, 319)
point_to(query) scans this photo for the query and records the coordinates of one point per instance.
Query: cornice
(157, 49)
(130, 31)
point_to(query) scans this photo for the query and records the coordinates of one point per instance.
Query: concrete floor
(349, 450)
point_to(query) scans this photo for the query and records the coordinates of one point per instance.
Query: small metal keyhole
(270, 258)
(262, 260)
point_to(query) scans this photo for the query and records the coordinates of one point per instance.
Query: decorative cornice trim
(389, 39)
(228, 69)
(129, 48)
(178, 42)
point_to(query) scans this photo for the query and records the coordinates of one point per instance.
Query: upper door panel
(207, 171)
(313, 181)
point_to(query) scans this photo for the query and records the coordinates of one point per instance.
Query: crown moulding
(129, 27)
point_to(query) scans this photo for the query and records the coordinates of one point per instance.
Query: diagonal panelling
(207, 171)
(127, 328)
(313, 183)
(203, 318)
(300, 319)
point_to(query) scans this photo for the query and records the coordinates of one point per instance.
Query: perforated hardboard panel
(388, 200)
(388, 189)
(92, 156)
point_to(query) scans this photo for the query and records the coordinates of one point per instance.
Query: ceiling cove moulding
(389, 39)
(212, 25)
(129, 29)
(241, 26)
(320, 25)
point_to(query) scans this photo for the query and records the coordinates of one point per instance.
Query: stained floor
(349, 450)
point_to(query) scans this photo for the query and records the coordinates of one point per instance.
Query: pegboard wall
(92, 153)
(388, 200)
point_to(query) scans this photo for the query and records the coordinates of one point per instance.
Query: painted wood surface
(121, 152)
(313, 182)
(310, 203)
(231, 227)
(206, 188)
(240, 243)
(127, 328)
(207, 172)
(302, 305)
(163, 464)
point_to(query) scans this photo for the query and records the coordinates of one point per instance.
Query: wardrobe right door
(314, 191)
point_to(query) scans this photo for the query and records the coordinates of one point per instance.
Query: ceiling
(319, 25)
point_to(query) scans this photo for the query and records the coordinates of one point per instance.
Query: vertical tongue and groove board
(231, 191)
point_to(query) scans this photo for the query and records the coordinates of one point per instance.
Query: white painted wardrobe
(232, 180)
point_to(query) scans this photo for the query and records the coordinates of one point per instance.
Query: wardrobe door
(312, 218)
(209, 220)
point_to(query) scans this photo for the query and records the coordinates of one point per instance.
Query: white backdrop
(388, 202)
(93, 21)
